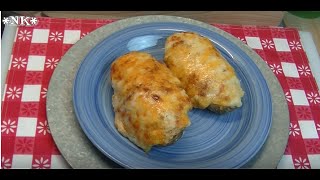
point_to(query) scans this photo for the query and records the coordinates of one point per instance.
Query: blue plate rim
(65, 127)
(125, 165)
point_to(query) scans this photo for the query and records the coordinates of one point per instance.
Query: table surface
(268, 18)
(306, 40)
(64, 126)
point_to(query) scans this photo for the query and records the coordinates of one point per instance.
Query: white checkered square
(286, 162)
(254, 42)
(36, 63)
(299, 97)
(314, 161)
(308, 129)
(281, 44)
(26, 127)
(290, 69)
(31, 93)
(21, 162)
(40, 36)
(71, 36)
(58, 162)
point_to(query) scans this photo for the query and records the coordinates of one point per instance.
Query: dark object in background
(17, 13)
(2, 25)
(306, 14)
(6, 14)
(2, 28)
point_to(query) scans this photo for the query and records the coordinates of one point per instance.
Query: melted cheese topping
(149, 102)
(205, 75)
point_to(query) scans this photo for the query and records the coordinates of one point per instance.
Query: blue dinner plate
(211, 141)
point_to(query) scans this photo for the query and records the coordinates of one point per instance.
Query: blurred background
(302, 20)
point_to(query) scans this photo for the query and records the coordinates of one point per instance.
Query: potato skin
(209, 80)
(149, 103)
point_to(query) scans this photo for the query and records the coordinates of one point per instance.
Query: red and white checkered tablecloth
(26, 138)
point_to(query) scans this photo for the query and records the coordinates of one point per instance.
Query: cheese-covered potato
(150, 104)
(209, 80)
